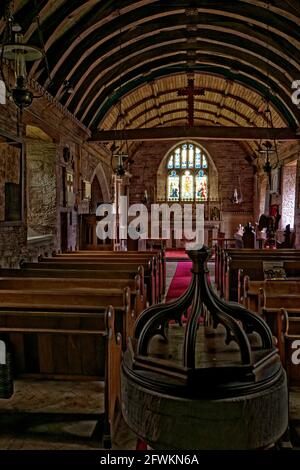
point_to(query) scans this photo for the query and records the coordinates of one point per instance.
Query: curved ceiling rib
(180, 105)
(239, 45)
(281, 86)
(109, 49)
(223, 98)
(206, 116)
(198, 120)
(109, 37)
(97, 68)
(106, 32)
(119, 89)
(218, 93)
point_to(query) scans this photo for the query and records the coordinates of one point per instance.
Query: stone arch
(102, 180)
(162, 172)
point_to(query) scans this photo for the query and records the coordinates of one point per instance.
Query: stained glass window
(171, 162)
(191, 156)
(198, 158)
(201, 186)
(177, 158)
(173, 186)
(187, 186)
(184, 156)
(188, 174)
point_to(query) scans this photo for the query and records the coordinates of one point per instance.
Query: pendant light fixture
(14, 50)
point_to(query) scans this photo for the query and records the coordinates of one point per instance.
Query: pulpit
(201, 373)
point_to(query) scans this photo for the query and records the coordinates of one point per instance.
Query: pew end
(112, 378)
(49, 327)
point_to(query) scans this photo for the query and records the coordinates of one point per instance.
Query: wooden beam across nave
(204, 133)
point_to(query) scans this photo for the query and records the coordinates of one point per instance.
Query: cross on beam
(190, 91)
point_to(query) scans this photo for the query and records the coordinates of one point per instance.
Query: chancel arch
(99, 179)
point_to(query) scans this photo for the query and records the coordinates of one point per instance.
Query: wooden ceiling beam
(182, 102)
(203, 133)
(99, 75)
(162, 94)
(200, 117)
(103, 23)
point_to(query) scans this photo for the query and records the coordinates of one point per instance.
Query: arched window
(187, 174)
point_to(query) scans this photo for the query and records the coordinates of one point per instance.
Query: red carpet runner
(176, 254)
(180, 281)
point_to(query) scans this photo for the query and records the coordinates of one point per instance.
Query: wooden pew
(117, 266)
(222, 244)
(285, 326)
(154, 262)
(277, 301)
(238, 264)
(160, 254)
(289, 343)
(68, 345)
(88, 299)
(41, 283)
(252, 288)
(108, 277)
(157, 261)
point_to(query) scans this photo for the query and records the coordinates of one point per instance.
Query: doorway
(64, 231)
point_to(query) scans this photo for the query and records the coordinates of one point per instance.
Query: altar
(211, 230)
(212, 214)
(150, 230)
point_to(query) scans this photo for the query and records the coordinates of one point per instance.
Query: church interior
(149, 341)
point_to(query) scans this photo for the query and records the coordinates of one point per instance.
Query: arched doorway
(99, 193)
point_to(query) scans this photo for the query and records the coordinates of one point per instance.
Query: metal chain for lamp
(123, 158)
(269, 148)
(268, 167)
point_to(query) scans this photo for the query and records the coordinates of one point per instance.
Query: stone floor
(33, 418)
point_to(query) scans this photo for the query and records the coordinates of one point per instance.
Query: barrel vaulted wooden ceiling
(126, 59)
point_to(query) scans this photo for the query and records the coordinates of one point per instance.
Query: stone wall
(12, 245)
(41, 187)
(10, 172)
(229, 163)
(289, 173)
(228, 158)
(297, 206)
(288, 195)
(12, 234)
(51, 130)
